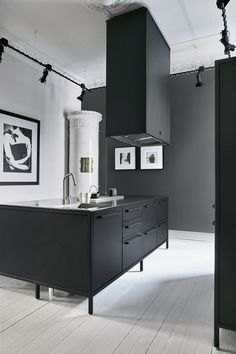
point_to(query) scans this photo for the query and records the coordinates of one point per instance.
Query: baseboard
(194, 236)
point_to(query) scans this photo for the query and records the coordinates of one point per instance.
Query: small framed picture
(19, 157)
(125, 158)
(151, 157)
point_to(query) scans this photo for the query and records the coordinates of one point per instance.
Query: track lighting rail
(48, 68)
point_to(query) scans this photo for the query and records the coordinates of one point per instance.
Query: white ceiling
(74, 37)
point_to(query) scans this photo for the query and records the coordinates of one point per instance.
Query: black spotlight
(3, 43)
(83, 92)
(225, 41)
(48, 68)
(199, 82)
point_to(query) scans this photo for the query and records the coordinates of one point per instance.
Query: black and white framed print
(151, 157)
(125, 158)
(19, 154)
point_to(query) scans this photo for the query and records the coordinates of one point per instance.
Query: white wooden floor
(166, 309)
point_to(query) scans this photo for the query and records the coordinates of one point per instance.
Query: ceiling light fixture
(111, 7)
(3, 43)
(48, 68)
(83, 92)
(199, 82)
(221, 4)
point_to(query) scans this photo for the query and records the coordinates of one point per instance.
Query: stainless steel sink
(83, 206)
(87, 206)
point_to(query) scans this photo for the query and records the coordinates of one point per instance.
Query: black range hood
(138, 71)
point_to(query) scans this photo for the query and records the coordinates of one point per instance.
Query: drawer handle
(107, 215)
(130, 210)
(132, 239)
(132, 225)
(149, 231)
(149, 206)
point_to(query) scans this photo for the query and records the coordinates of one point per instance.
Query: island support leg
(167, 244)
(37, 291)
(216, 336)
(90, 304)
(141, 265)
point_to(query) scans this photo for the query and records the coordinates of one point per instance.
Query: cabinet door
(149, 215)
(149, 240)
(107, 251)
(162, 210)
(132, 250)
(162, 233)
(226, 192)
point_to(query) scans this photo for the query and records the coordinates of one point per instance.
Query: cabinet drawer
(149, 240)
(162, 233)
(162, 210)
(150, 215)
(132, 250)
(132, 212)
(132, 227)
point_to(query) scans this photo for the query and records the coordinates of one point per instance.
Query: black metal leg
(90, 305)
(167, 244)
(216, 337)
(37, 291)
(141, 266)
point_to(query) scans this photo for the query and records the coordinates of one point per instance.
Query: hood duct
(138, 74)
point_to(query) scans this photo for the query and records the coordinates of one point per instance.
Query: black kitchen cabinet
(107, 250)
(225, 240)
(150, 215)
(150, 239)
(138, 69)
(155, 225)
(76, 250)
(132, 250)
(162, 233)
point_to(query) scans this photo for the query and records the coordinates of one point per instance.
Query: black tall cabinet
(225, 246)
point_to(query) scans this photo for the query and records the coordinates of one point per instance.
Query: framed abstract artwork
(151, 157)
(19, 154)
(125, 158)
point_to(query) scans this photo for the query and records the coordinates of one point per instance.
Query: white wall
(21, 92)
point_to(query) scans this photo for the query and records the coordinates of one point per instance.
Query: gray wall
(188, 175)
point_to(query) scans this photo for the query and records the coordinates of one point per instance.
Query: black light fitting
(221, 4)
(83, 92)
(199, 82)
(47, 67)
(3, 43)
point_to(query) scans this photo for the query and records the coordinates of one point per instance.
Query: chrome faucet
(66, 197)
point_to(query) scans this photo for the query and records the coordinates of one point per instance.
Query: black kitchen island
(79, 249)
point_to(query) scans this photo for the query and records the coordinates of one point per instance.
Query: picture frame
(125, 158)
(151, 157)
(19, 149)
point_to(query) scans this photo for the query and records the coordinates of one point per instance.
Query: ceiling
(74, 37)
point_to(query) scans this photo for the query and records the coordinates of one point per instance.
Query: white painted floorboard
(168, 308)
